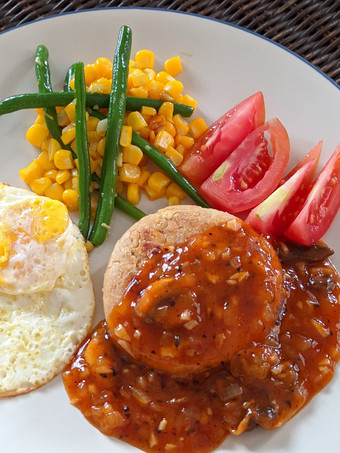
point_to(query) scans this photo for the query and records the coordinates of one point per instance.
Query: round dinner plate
(222, 64)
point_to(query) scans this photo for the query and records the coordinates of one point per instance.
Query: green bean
(115, 120)
(42, 71)
(137, 103)
(69, 76)
(95, 100)
(129, 209)
(169, 168)
(84, 169)
(96, 113)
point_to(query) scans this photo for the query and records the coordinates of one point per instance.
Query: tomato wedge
(321, 205)
(277, 212)
(251, 172)
(220, 139)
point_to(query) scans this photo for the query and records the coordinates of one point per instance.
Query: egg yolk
(50, 219)
(4, 248)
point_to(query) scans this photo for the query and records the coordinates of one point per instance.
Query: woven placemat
(311, 28)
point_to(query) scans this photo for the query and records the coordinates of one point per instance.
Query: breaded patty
(186, 288)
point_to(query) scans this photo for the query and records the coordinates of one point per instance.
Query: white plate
(222, 65)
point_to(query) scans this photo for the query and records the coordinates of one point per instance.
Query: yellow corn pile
(54, 173)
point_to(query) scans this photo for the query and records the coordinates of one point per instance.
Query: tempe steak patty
(186, 288)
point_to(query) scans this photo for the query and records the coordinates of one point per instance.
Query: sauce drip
(263, 382)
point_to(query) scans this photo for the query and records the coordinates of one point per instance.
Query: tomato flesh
(251, 172)
(277, 212)
(222, 138)
(321, 205)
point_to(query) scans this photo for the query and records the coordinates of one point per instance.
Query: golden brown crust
(171, 225)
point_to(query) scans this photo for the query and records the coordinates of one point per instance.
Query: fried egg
(46, 293)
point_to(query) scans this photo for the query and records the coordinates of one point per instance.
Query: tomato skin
(277, 212)
(251, 172)
(220, 140)
(321, 205)
(312, 155)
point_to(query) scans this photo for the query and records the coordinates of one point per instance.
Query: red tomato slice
(251, 172)
(218, 142)
(321, 206)
(276, 213)
(313, 155)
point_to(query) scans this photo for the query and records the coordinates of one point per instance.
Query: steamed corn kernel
(75, 183)
(173, 201)
(136, 120)
(31, 172)
(53, 147)
(145, 59)
(152, 193)
(164, 77)
(173, 88)
(133, 193)
(173, 66)
(93, 136)
(186, 141)
(55, 191)
(180, 149)
(174, 191)
(40, 185)
(68, 134)
(158, 181)
(181, 125)
(129, 173)
(148, 111)
(139, 92)
(169, 127)
(132, 154)
(139, 78)
(155, 88)
(44, 161)
(36, 134)
(143, 179)
(70, 111)
(62, 118)
(167, 110)
(101, 146)
(63, 159)
(40, 119)
(175, 157)
(163, 140)
(90, 73)
(92, 123)
(102, 85)
(150, 73)
(52, 174)
(197, 126)
(103, 67)
(71, 199)
(125, 136)
(45, 144)
(62, 176)
(93, 165)
(188, 100)
(119, 186)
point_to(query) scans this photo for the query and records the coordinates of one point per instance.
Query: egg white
(33, 265)
(40, 330)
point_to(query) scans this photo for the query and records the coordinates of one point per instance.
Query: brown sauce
(253, 376)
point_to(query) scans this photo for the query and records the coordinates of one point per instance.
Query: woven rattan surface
(311, 28)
